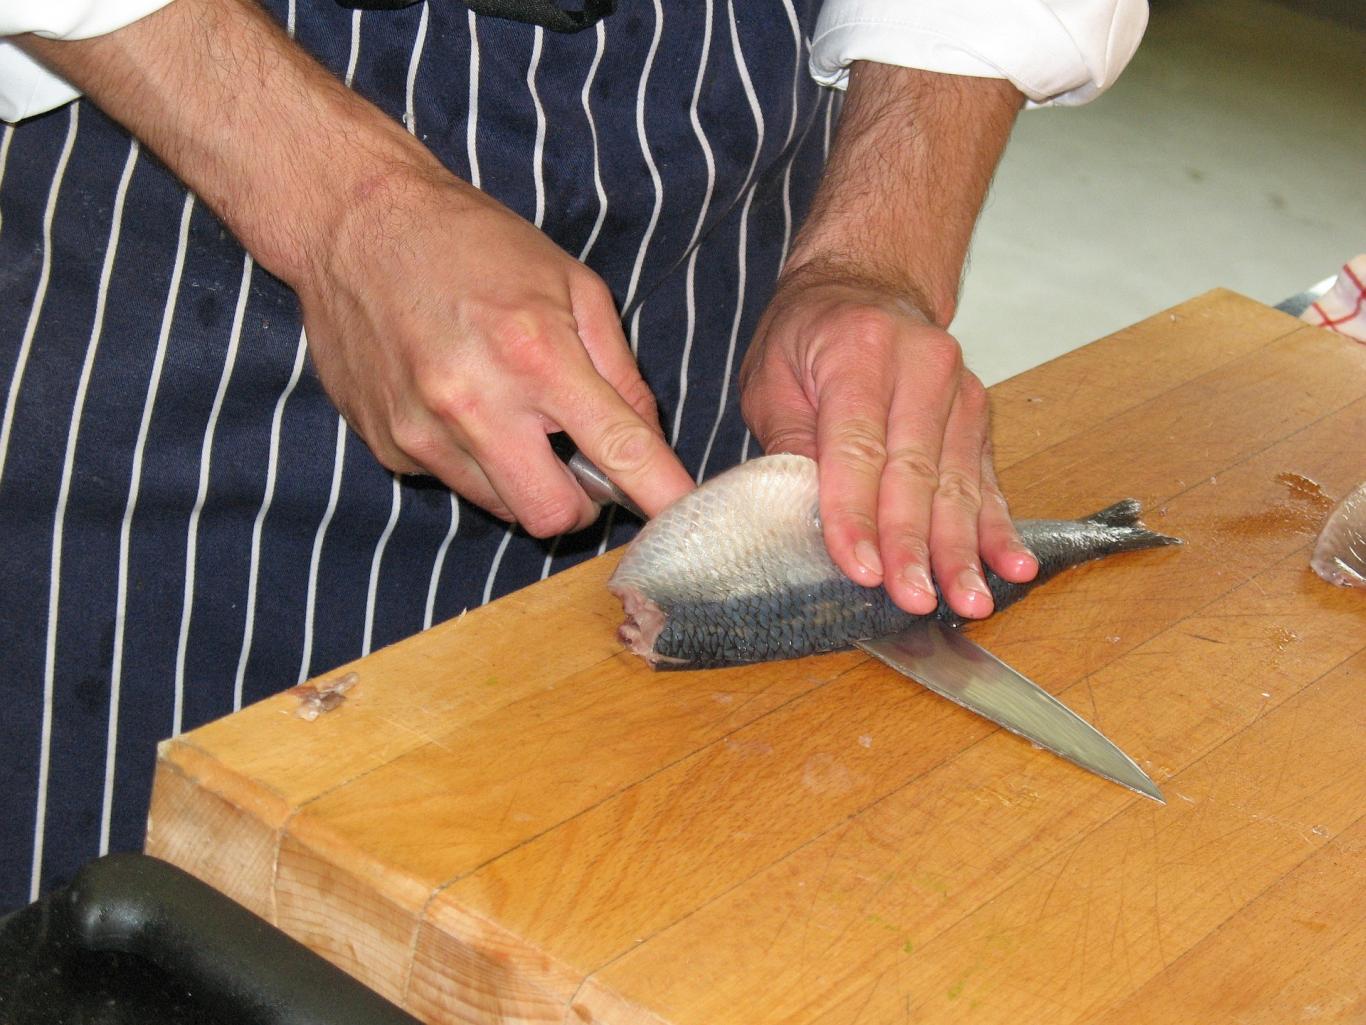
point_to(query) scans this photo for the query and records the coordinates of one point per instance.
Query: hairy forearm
(275, 145)
(907, 176)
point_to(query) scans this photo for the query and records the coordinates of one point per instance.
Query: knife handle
(595, 483)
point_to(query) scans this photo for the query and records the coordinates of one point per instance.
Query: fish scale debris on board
(737, 571)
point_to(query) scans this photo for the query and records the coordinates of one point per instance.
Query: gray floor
(1231, 153)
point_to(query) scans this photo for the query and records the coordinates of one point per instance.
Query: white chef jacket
(1054, 51)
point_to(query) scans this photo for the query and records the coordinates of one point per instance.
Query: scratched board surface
(508, 819)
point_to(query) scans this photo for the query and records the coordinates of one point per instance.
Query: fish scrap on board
(1340, 552)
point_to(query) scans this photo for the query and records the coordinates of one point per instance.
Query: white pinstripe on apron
(185, 522)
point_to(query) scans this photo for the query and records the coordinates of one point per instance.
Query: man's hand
(859, 380)
(852, 363)
(456, 359)
(450, 332)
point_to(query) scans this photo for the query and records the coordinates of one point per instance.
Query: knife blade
(942, 659)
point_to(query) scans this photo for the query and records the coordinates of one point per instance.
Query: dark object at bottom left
(134, 939)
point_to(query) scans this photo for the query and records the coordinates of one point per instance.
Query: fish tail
(1129, 533)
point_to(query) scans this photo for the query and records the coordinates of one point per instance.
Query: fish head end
(644, 621)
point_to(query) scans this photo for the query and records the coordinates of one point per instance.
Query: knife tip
(1147, 788)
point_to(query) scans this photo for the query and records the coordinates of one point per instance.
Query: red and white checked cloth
(1343, 307)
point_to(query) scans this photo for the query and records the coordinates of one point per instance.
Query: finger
(917, 425)
(1001, 545)
(614, 437)
(786, 428)
(957, 505)
(852, 403)
(600, 331)
(527, 475)
(778, 412)
(428, 448)
(605, 421)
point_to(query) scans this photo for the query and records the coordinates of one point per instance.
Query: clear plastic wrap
(1340, 554)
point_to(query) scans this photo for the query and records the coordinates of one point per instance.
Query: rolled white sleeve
(1063, 52)
(26, 87)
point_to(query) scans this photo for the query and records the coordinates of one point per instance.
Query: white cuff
(72, 19)
(1054, 51)
(28, 88)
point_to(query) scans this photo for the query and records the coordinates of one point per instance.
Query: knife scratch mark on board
(422, 734)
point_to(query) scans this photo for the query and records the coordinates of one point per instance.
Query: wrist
(847, 272)
(299, 218)
(907, 175)
(828, 258)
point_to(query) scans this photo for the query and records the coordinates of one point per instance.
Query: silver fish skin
(1340, 551)
(737, 571)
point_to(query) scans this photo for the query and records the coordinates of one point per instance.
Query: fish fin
(1129, 532)
(1124, 513)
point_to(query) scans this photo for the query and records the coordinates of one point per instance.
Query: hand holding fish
(853, 364)
(859, 380)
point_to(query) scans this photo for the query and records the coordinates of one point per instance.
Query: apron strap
(546, 13)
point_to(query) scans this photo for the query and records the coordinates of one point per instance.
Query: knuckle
(866, 330)
(960, 490)
(971, 387)
(548, 517)
(972, 393)
(394, 461)
(417, 442)
(639, 397)
(941, 354)
(525, 340)
(868, 323)
(859, 445)
(454, 406)
(756, 404)
(913, 546)
(914, 464)
(593, 289)
(993, 499)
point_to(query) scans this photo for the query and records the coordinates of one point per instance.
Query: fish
(737, 572)
(1340, 551)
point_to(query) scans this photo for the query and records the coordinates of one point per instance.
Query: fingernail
(866, 553)
(1025, 559)
(918, 579)
(970, 580)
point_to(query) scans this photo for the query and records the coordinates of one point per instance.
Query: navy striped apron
(186, 524)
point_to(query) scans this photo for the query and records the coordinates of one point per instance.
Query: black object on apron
(545, 13)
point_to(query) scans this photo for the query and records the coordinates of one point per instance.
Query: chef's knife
(945, 661)
(940, 658)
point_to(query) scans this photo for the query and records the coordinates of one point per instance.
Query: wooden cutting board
(508, 819)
